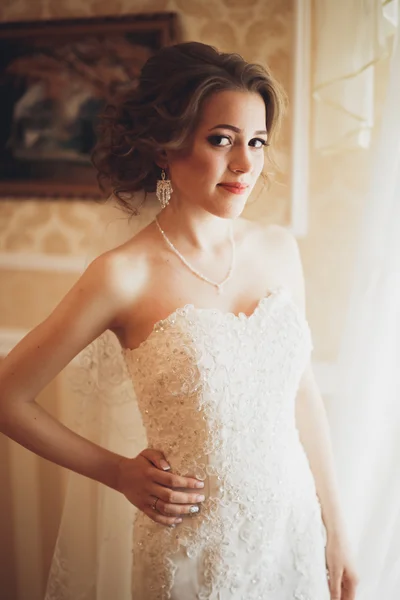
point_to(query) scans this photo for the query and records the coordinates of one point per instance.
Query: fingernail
(200, 498)
(179, 520)
(194, 509)
(164, 465)
(199, 484)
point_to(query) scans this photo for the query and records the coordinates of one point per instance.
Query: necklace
(195, 271)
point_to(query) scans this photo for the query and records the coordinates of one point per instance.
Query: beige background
(31, 490)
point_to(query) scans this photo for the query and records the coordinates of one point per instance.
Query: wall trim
(36, 261)
(300, 146)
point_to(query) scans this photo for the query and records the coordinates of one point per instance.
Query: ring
(154, 506)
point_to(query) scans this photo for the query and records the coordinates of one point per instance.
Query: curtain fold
(350, 37)
(364, 413)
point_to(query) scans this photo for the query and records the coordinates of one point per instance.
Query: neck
(194, 228)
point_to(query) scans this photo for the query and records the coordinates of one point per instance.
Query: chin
(228, 210)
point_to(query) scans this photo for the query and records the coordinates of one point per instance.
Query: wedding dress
(216, 393)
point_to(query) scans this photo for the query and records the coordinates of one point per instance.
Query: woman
(209, 311)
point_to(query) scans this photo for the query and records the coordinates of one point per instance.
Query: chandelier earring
(164, 190)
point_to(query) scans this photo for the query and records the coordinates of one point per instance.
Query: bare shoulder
(293, 263)
(122, 270)
(282, 243)
(88, 309)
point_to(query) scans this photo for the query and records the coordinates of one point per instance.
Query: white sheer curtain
(350, 36)
(365, 412)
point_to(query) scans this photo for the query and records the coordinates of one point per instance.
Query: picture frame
(55, 77)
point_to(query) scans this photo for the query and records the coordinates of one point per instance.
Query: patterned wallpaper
(259, 30)
(262, 30)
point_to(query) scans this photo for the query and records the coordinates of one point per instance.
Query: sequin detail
(217, 395)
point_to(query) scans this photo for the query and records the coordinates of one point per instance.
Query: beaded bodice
(217, 395)
(203, 378)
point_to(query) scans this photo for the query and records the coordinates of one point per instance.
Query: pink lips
(234, 188)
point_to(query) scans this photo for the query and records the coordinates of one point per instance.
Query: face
(226, 155)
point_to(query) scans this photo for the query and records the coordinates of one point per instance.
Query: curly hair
(162, 111)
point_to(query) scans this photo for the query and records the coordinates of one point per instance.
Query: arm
(106, 289)
(312, 424)
(86, 311)
(311, 418)
(314, 433)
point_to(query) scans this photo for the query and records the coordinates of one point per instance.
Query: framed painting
(55, 77)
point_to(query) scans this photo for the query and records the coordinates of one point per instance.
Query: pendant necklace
(195, 271)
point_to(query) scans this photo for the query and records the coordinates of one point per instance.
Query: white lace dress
(217, 395)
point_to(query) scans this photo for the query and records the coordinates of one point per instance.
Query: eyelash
(213, 138)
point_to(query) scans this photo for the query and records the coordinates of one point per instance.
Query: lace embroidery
(216, 393)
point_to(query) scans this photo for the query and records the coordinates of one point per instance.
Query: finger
(349, 594)
(157, 458)
(176, 481)
(350, 582)
(174, 496)
(177, 509)
(157, 517)
(335, 585)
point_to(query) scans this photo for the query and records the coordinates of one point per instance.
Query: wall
(43, 244)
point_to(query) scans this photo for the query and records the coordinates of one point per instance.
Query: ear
(161, 159)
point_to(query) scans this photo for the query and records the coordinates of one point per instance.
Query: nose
(241, 161)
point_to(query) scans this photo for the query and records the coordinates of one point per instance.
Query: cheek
(205, 155)
(193, 172)
(207, 165)
(259, 163)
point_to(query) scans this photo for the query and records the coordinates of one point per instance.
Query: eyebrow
(236, 129)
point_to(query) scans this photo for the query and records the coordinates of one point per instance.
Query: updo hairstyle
(164, 109)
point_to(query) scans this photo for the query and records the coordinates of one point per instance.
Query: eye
(258, 143)
(216, 139)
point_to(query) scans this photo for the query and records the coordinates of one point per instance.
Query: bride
(236, 489)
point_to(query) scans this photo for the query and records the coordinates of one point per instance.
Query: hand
(343, 579)
(145, 478)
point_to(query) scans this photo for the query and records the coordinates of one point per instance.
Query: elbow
(10, 409)
(5, 414)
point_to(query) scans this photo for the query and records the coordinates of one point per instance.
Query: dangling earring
(164, 190)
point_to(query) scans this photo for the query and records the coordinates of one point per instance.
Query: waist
(232, 468)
